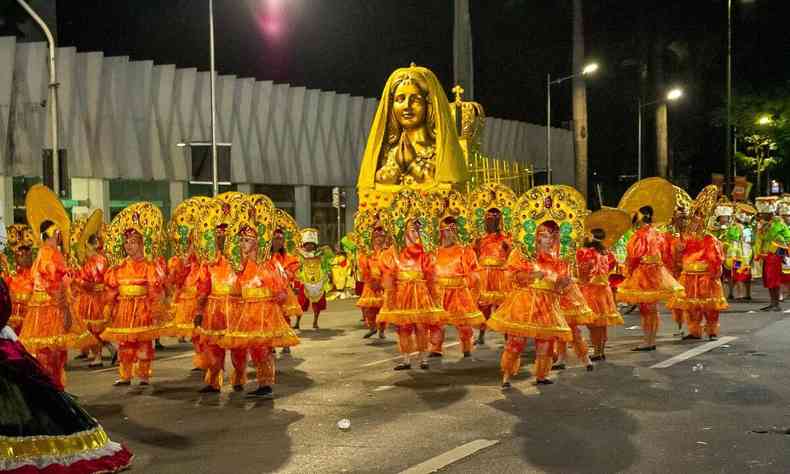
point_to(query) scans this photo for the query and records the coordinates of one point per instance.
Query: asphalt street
(715, 409)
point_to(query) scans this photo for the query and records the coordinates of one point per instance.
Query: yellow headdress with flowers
(287, 224)
(365, 222)
(454, 204)
(42, 205)
(17, 236)
(81, 231)
(491, 196)
(142, 217)
(408, 206)
(702, 209)
(212, 215)
(559, 203)
(183, 222)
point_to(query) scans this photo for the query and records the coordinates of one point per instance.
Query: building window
(124, 192)
(281, 195)
(21, 185)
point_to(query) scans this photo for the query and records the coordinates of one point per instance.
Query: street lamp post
(672, 95)
(586, 71)
(214, 163)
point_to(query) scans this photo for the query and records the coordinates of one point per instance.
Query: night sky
(352, 46)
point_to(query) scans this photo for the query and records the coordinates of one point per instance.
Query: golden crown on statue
(472, 119)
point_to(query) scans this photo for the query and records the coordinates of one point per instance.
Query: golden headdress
(142, 217)
(449, 158)
(561, 204)
(655, 192)
(454, 204)
(613, 221)
(365, 222)
(492, 196)
(290, 229)
(745, 209)
(702, 209)
(81, 231)
(212, 214)
(43, 205)
(184, 220)
(17, 236)
(412, 205)
(230, 196)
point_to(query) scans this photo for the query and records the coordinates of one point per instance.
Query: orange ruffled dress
(594, 268)
(223, 300)
(409, 301)
(648, 280)
(492, 255)
(259, 322)
(533, 309)
(370, 270)
(90, 293)
(20, 286)
(701, 276)
(455, 266)
(138, 311)
(191, 282)
(44, 326)
(290, 265)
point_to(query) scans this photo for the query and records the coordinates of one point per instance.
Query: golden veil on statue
(412, 141)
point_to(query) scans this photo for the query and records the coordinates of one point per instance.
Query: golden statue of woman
(412, 140)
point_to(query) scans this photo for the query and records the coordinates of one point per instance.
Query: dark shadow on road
(321, 334)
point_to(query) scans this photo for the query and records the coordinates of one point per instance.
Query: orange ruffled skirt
(259, 322)
(410, 302)
(215, 318)
(370, 298)
(574, 308)
(134, 319)
(494, 286)
(530, 312)
(182, 316)
(648, 283)
(18, 311)
(601, 301)
(701, 292)
(44, 328)
(460, 307)
(89, 309)
(291, 307)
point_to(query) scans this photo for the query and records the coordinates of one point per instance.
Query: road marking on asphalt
(164, 359)
(371, 364)
(693, 352)
(454, 455)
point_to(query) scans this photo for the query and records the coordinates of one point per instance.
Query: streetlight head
(590, 68)
(675, 94)
(765, 120)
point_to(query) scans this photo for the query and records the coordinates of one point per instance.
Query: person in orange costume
(407, 276)
(288, 264)
(222, 296)
(703, 296)
(648, 281)
(259, 325)
(47, 330)
(532, 308)
(187, 280)
(456, 274)
(89, 304)
(672, 255)
(492, 253)
(372, 297)
(595, 262)
(19, 258)
(576, 312)
(135, 290)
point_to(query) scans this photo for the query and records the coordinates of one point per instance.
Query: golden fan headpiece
(286, 224)
(245, 223)
(366, 221)
(455, 205)
(214, 214)
(413, 207)
(655, 192)
(183, 221)
(613, 221)
(81, 232)
(490, 196)
(18, 236)
(142, 217)
(561, 204)
(42, 205)
(702, 209)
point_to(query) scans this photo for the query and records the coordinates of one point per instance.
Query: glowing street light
(765, 120)
(675, 94)
(588, 69)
